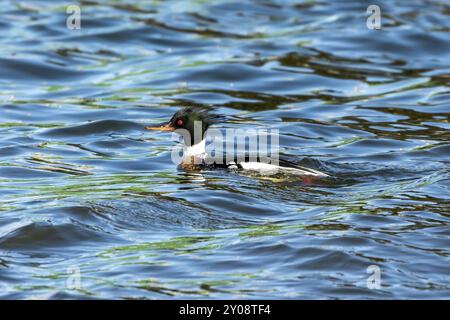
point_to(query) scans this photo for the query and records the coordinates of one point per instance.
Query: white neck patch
(197, 150)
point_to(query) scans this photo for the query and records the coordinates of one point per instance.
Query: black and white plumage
(195, 156)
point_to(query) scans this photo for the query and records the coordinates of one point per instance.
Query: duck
(193, 124)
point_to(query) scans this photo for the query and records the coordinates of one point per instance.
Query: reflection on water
(84, 186)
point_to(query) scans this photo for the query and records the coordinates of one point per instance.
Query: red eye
(180, 122)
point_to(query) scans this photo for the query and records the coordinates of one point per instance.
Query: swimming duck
(193, 123)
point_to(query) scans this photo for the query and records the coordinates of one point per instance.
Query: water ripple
(84, 186)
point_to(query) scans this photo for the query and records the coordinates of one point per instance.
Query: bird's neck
(197, 151)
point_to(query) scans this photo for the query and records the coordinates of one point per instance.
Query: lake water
(92, 206)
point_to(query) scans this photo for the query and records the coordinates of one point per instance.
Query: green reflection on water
(179, 244)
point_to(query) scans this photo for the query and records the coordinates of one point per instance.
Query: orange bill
(161, 127)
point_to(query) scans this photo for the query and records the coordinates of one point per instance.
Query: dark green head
(189, 119)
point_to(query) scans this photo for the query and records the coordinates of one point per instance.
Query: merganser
(187, 120)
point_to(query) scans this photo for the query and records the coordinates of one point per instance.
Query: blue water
(87, 194)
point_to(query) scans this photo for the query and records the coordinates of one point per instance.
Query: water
(85, 188)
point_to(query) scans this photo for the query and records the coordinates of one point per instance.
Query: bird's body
(195, 157)
(247, 163)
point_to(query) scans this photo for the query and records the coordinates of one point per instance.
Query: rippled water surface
(84, 187)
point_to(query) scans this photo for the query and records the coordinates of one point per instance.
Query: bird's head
(192, 120)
